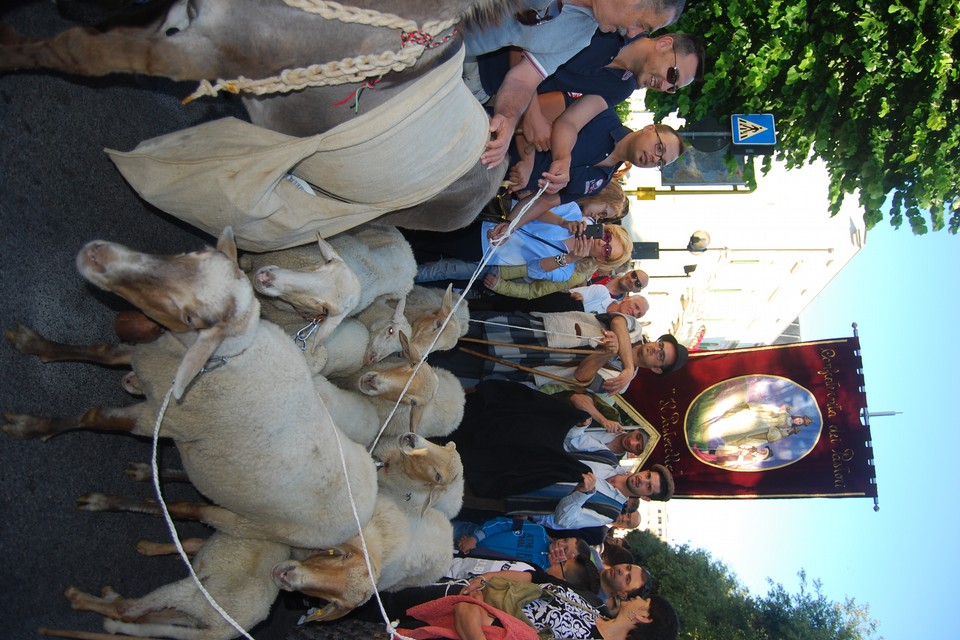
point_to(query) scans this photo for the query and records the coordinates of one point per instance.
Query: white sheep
(253, 435)
(427, 308)
(432, 406)
(420, 473)
(385, 323)
(335, 279)
(235, 571)
(409, 537)
(406, 549)
(409, 544)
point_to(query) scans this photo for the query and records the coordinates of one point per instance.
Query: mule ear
(196, 356)
(227, 244)
(326, 250)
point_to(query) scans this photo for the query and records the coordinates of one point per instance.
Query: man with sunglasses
(549, 43)
(588, 160)
(605, 74)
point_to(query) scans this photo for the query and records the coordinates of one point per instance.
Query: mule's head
(337, 575)
(326, 293)
(203, 292)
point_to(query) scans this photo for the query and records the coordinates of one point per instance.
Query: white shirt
(596, 297)
(570, 513)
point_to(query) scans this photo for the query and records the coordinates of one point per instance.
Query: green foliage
(713, 605)
(623, 110)
(871, 88)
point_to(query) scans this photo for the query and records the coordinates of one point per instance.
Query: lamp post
(699, 243)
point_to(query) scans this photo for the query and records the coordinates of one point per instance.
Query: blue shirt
(594, 143)
(587, 72)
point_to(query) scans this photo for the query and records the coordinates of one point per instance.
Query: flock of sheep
(274, 380)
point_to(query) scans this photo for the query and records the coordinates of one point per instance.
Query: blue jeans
(445, 269)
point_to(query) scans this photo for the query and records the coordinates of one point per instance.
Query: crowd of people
(554, 332)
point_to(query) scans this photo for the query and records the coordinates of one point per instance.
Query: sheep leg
(210, 515)
(23, 426)
(115, 607)
(149, 548)
(27, 341)
(143, 472)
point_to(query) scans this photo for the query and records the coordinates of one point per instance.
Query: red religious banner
(775, 422)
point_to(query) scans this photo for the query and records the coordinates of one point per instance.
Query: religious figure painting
(753, 423)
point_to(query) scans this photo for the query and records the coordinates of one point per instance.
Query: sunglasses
(607, 249)
(673, 74)
(636, 280)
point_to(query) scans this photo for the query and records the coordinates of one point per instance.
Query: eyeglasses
(635, 277)
(659, 150)
(661, 353)
(673, 74)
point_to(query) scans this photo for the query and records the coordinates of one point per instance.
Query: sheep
(409, 544)
(420, 473)
(406, 549)
(235, 571)
(246, 419)
(384, 324)
(336, 279)
(433, 406)
(427, 309)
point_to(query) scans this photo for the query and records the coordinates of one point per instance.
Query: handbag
(511, 595)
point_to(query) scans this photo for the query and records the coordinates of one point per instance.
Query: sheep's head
(389, 383)
(419, 467)
(385, 334)
(325, 294)
(202, 291)
(337, 575)
(427, 326)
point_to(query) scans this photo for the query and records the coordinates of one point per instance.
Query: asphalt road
(59, 191)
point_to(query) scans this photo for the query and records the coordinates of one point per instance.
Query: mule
(230, 39)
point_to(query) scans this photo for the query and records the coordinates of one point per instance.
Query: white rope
(391, 625)
(488, 255)
(173, 529)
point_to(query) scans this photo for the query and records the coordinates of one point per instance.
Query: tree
(871, 87)
(713, 605)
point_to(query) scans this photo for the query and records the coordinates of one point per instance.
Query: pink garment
(439, 614)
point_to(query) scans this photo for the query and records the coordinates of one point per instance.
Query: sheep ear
(416, 413)
(326, 250)
(405, 348)
(398, 312)
(432, 498)
(447, 304)
(196, 357)
(227, 244)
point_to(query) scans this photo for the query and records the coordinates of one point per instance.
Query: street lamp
(699, 243)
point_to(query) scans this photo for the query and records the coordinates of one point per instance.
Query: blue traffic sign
(753, 128)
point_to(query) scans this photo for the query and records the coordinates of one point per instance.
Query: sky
(901, 291)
